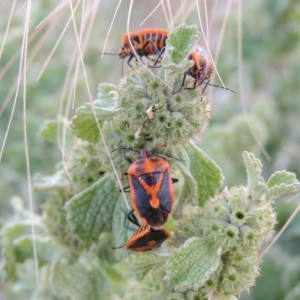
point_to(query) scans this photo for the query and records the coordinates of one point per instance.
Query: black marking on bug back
(158, 236)
(157, 217)
(151, 179)
(159, 37)
(164, 195)
(153, 37)
(143, 39)
(142, 198)
(136, 39)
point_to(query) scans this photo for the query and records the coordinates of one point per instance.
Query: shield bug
(151, 41)
(146, 42)
(145, 238)
(202, 69)
(151, 189)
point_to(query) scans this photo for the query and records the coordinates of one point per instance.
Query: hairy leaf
(8, 260)
(83, 280)
(188, 194)
(205, 171)
(91, 211)
(283, 177)
(52, 129)
(179, 44)
(56, 181)
(90, 117)
(190, 266)
(23, 249)
(282, 182)
(253, 168)
(141, 263)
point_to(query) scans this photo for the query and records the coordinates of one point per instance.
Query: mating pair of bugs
(153, 42)
(152, 197)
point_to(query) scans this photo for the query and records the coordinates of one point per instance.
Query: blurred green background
(270, 71)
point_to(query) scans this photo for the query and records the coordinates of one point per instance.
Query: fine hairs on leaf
(216, 235)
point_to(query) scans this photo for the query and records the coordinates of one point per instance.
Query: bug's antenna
(207, 83)
(166, 154)
(106, 53)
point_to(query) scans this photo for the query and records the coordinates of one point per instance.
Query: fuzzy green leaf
(56, 181)
(283, 177)
(107, 97)
(202, 177)
(50, 130)
(260, 190)
(141, 263)
(179, 44)
(53, 128)
(152, 286)
(253, 168)
(8, 259)
(102, 249)
(23, 249)
(84, 124)
(190, 266)
(188, 193)
(91, 211)
(282, 182)
(188, 185)
(121, 235)
(80, 280)
(208, 175)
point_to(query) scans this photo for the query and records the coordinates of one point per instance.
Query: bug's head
(125, 51)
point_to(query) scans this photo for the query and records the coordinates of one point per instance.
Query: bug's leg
(162, 51)
(133, 219)
(128, 61)
(174, 180)
(206, 84)
(125, 189)
(183, 81)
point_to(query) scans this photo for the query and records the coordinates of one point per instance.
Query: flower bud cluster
(151, 116)
(238, 229)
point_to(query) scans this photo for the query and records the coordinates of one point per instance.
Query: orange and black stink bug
(145, 238)
(145, 42)
(202, 69)
(151, 189)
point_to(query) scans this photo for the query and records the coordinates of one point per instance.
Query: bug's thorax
(148, 163)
